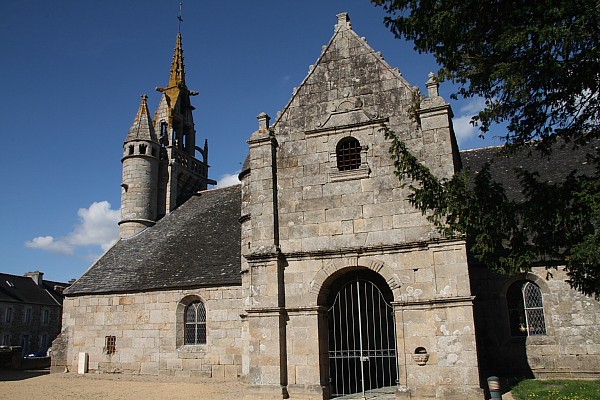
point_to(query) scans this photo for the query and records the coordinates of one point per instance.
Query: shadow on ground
(20, 375)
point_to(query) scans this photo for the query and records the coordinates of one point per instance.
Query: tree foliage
(555, 223)
(537, 63)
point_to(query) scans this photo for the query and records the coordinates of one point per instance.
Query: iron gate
(362, 340)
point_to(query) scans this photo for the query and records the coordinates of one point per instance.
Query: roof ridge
(482, 148)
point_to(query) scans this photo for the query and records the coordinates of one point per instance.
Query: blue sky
(72, 73)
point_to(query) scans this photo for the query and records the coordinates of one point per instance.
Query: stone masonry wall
(432, 306)
(350, 92)
(139, 191)
(571, 345)
(311, 223)
(146, 331)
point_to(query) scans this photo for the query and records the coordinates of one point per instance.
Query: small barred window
(195, 323)
(110, 344)
(348, 154)
(525, 309)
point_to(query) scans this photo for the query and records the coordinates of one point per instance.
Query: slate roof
(23, 289)
(196, 245)
(552, 168)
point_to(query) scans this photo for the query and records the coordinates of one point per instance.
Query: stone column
(267, 324)
(266, 316)
(307, 352)
(403, 390)
(439, 142)
(263, 186)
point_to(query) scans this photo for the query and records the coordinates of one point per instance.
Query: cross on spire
(180, 16)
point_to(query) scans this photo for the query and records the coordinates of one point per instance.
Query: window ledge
(338, 176)
(192, 351)
(192, 348)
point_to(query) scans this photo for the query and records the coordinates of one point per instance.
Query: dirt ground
(40, 385)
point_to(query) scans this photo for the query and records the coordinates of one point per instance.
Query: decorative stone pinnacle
(344, 21)
(263, 122)
(432, 86)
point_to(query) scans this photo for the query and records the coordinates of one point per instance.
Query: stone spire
(177, 78)
(142, 127)
(175, 108)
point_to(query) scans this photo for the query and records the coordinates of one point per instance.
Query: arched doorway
(361, 334)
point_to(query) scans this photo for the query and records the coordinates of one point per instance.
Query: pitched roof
(196, 245)
(142, 128)
(553, 167)
(23, 289)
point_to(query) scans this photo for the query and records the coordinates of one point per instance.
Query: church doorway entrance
(361, 336)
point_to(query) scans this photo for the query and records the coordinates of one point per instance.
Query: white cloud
(228, 180)
(473, 107)
(463, 128)
(97, 227)
(50, 244)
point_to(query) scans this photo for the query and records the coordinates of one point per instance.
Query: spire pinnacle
(177, 77)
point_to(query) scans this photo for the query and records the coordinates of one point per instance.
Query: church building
(315, 277)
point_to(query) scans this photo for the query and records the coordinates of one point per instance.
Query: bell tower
(160, 168)
(181, 173)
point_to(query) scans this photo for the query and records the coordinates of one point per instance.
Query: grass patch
(557, 390)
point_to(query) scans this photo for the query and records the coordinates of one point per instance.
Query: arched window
(348, 154)
(525, 309)
(195, 323)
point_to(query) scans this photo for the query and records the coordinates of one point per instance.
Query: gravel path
(40, 385)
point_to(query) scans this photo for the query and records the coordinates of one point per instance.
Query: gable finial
(432, 85)
(343, 21)
(180, 17)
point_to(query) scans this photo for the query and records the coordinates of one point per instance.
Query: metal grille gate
(362, 340)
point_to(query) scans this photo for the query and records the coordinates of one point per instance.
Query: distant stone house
(314, 277)
(30, 311)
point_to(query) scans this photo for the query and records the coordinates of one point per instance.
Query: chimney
(59, 288)
(37, 277)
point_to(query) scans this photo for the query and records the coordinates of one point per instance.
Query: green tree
(537, 65)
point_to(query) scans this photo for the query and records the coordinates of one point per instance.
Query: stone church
(315, 277)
